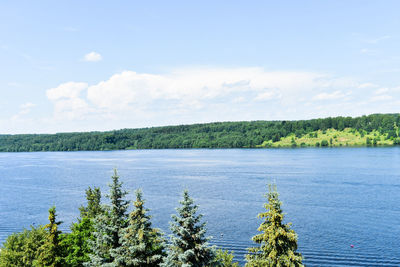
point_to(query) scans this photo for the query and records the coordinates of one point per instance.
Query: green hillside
(334, 138)
(375, 129)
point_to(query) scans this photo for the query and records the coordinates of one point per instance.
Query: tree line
(209, 135)
(109, 235)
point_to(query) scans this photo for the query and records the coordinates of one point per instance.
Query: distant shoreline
(365, 131)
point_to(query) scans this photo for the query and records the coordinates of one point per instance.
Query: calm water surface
(334, 197)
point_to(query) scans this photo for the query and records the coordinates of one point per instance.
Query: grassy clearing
(332, 138)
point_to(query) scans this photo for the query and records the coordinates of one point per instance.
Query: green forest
(118, 235)
(371, 130)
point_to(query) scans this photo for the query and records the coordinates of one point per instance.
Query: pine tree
(278, 243)
(108, 225)
(142, 245)
(50, 252)
(189, 247)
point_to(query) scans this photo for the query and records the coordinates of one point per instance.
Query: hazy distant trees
(210, 135)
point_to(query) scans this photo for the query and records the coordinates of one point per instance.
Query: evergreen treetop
(108, 225)
(142, 245)
(50, 251)
(189, 246)
(278, 243)
(76, 243)
(93, 208)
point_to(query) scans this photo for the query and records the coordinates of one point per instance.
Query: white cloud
(67, 100)
(24, 109)
(268, 95)
(367, 85)
(66, 90)
(27, 107)
(381, 91)
(331, 96)
(131, 99)
(92, 57)
(384, 97)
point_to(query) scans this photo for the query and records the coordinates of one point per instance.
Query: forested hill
(376, 129)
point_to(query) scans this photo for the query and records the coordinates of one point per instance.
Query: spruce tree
(108, 226)
(278, 243)
(142, 245)
(50, 252)
(93, 208)
(188, 245)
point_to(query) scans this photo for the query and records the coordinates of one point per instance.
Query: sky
(71, 66)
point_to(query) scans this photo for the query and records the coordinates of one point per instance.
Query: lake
(335, 197)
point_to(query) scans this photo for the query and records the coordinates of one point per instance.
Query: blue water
(334, 197)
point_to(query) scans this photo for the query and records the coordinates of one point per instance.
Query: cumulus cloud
(212, 94)
(92, 57)
(67, 100)
(66, 90)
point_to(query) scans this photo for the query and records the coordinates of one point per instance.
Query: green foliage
(141, 245)
(50, 253)
(209, 135)
(93, 208)
(108, 225)
(188, 244)
(225, 259)
(324, 143)
(368, 141)
(76, 243)
(22, 249)
(107, 236)
(293, 142)
(277, 242)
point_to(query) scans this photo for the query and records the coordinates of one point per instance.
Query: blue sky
(102, 65)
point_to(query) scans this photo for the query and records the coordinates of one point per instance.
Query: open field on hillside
(332, 137)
